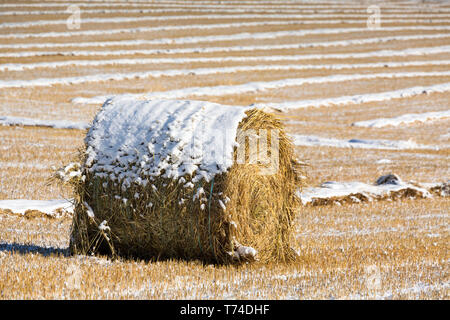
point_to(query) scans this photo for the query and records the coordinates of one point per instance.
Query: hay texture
(163, 179)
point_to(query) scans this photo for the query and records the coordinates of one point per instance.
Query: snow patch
(115, 20)
(57, 124)
(379, 53)
(403, 119)
(243, 253)
(384, 161)
(175, 72)
(359, 98)
(222, 90)
(52, 208)
(315, 141)
(354, 192)
(203, 27)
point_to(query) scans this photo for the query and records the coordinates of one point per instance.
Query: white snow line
(240, 88)
(233, 69)
(81, 4)
(209, 9)
(54, 208)
(177, 4)
(150, 29)
(312, 3)
(358, 99)
(57, 124)
(181, 9)
(403, 119)
(435, 12)
(315, 141)
(165, 28)
(177, 10)
(354, 192)
(240, 5)
(113, 20)
(149, 18)
(199, 71)
(255, 2)
(319, 3)
(432, 50)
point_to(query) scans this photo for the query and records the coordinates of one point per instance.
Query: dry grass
(403, 243)
(341, 248)
(27, 157)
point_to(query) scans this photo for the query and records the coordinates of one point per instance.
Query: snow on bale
(186, 179)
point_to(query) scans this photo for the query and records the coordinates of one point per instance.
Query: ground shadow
(23, 249)
(31, 248)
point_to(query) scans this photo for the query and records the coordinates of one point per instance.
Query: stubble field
(320, 65)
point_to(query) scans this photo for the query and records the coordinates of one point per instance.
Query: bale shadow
(31, 248)
(23, 249)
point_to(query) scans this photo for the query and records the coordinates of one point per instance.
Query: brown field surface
(402, 244)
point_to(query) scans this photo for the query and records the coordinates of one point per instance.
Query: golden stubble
(341, 249)
(388, 249)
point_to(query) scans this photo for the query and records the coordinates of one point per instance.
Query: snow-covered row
(179, 27)
(208, 10)
(182, 9)
(436, 12)
(203, 71)
(316, 141)
(149, 29)
(222, 90)
(58, 124)
(171, 72)
(150, 18)
(111, 20)
(186, 4)
(336, 3)
(175, 4)
(403, 119)
(53, 208)
(358, 99)
(145, 29)
(221, 4)
(170, 28)
(239, 5)
(380, 53)
(178, 10)
(341, 192)
(256, 2)
(202, 1)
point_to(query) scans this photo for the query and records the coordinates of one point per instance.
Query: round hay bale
(186, 179)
